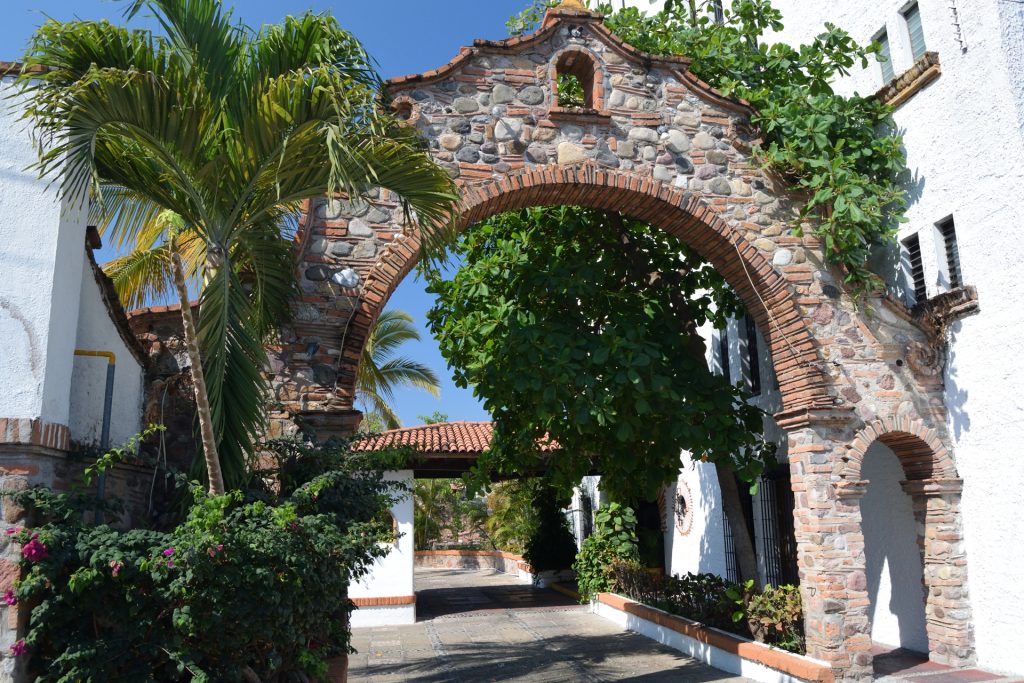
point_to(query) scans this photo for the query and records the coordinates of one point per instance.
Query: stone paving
(481, 625)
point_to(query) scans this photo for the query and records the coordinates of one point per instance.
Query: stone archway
(660, 145)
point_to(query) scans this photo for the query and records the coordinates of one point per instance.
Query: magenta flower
(11, 530)
(34, 551)
(170, 564)
(10, 598)
(168, 552)
(115, 567)
(19, 648)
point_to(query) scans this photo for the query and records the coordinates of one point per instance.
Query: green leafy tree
(510, 516)
(580, 326)
(201, 143)
(613, 541)
(381, 373)
(841, 152)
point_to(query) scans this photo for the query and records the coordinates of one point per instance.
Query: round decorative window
(683, 508)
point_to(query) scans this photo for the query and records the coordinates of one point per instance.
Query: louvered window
(723, 355)
(912, 15)
(948, 231)
(886, 56)
(753, 358)
(915, 267)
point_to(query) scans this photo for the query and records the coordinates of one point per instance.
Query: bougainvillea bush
(250, 586)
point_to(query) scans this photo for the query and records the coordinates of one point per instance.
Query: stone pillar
(948, 613)
(326, 425)
(830, 544)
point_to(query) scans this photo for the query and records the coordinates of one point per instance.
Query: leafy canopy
(841, 152)
(579, 326)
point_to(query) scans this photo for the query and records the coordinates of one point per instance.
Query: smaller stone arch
(919, 448)
(935, 491)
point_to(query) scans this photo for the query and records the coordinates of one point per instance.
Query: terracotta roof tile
(444, 437)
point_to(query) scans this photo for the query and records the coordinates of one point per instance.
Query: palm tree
(380, 373)
(197, 148)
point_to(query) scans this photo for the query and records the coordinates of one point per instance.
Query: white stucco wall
(392, 575)
(97, 332)
(893, 557)
(701, 548)
(41, 261)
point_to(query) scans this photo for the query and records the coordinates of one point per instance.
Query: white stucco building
(62, 330)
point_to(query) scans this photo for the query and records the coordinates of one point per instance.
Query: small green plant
(613, 540)
(775, 616)
(570, 92)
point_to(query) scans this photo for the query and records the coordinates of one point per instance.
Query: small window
(575, 76)
(947, 230)
(752, 358)
(912, 15)
(885, 55)
(716, 6)
(723, 355)
(914, 267)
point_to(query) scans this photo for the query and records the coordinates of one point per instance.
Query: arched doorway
(655, 143)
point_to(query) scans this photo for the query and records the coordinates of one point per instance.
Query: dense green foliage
(551, 545)
(613, 541)
(842, 152)
(442, 513)
(580, 326)
(773, 615)
(253, 581)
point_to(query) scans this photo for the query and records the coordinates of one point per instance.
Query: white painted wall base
(384, 615)
(702, 652)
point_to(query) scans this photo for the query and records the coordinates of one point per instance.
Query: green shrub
(249, 581)
(773, 616)
(551, 545)
(613, 540)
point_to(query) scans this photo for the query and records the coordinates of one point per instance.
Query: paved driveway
(482, 626)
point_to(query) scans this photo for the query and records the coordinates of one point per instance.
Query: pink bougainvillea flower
(115, 567)
(34, 551)
(11, 530)
(19, 648)
(168, 552)
(220, 546)
(10, 598)
(170, 564)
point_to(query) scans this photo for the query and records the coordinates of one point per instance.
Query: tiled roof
(444, 437)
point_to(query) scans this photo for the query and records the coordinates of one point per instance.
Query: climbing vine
(841, 151)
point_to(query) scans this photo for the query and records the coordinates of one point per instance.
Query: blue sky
(405, 36)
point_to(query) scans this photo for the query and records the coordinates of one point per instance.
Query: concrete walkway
(483, 626)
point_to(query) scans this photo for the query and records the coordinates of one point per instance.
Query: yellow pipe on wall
(109, 355)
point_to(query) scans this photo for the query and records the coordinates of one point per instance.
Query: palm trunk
(213, 472)
(746, 558)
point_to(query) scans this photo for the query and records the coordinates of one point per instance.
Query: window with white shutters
(912, 15)
(885, 54)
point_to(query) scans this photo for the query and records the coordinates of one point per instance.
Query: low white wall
(383, 615)
(702, 652)
(392, 575)
(97, 332)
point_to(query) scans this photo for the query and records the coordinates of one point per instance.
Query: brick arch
(918, 447)
(687, 215)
